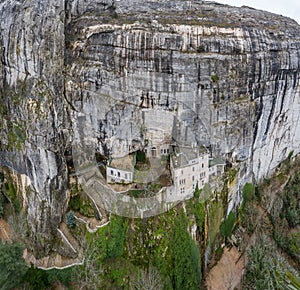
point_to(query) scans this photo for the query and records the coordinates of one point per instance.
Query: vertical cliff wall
(231, 75)
(34, 117)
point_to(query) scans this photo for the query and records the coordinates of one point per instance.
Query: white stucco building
(120, 170)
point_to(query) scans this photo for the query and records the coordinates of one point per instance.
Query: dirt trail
(228, 272)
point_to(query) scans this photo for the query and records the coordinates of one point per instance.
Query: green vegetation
(71, 220)
(227, 226)
(128, 254)
(14, 273)
(201, 49)
(10, 192)
(286, 223)
(2, 201)
(248, 193)
(231, 173)
(215, 217)
(80, 202)
(36, 279)
(291, 202)
(248, 217)
(214, 78)
(111, 238)
(103, 258)
(140, 156)
(12, 265)
(185, 271)
(267, 270)
(272, 212)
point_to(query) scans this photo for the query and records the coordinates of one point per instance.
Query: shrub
(248, 193)
(1, 209)
(215, 78)
(140, 156)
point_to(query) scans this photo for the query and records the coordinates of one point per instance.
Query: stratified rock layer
(231, 75)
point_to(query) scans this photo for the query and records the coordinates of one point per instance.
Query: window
(161, 151)
(112, 172)
(168, 151)
(193, 168)
(181, 171)
(182, 190)
(193, 178)
(165, 151)
(125, 175)
(119, 174)
(202, 165)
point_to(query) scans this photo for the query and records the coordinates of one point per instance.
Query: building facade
(120, 170)
(189, 167)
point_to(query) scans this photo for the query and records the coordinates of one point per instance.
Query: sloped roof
(182, 155)
(123, 163)
(216, 161)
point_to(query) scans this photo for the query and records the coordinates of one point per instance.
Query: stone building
(189, 166)
(120, 170)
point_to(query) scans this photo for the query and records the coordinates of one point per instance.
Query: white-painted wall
(118, 175)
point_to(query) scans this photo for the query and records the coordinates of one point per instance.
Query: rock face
(33, 109)
(230, 75)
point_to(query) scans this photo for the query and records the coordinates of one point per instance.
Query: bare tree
(149, 279)
(89, 274)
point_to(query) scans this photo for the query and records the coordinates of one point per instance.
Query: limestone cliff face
(33, 110)
(230, 75)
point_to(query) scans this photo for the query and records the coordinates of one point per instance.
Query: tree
(148, 280)
(71, 220)
(12, 265)
(185, 266)
(89, 275)
(197, 191)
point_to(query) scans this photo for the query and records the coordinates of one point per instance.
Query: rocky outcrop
(230, 75)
